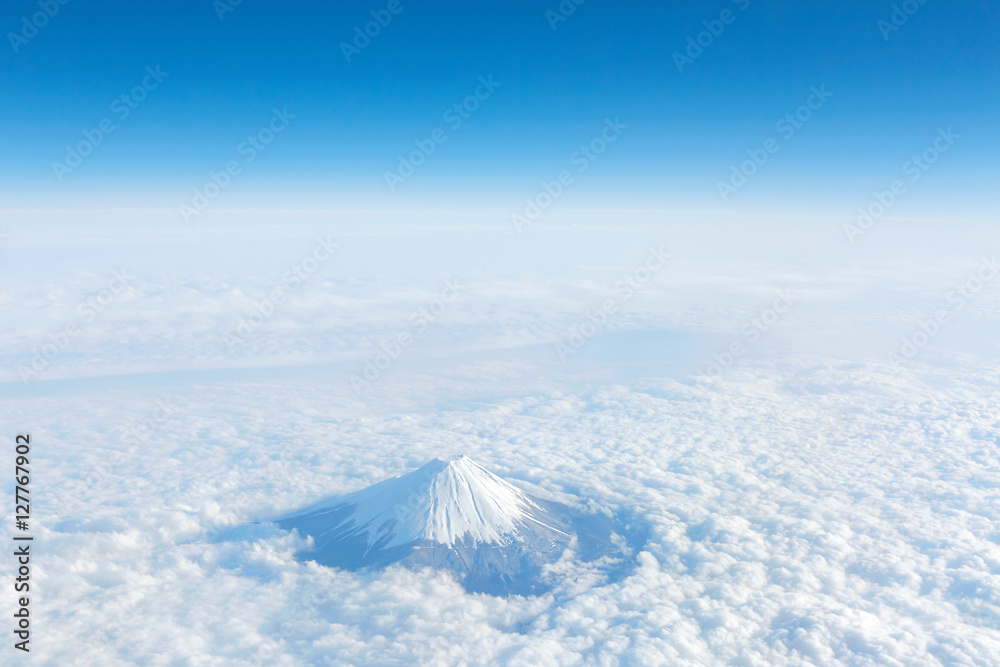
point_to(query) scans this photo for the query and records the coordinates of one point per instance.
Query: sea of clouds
(809, 499)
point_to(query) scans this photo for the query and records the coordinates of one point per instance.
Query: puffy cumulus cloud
(809, 506)
(788, 524)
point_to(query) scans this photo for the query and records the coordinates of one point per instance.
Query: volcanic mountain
(456, 515)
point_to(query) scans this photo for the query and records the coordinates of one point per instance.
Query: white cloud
(812, 506)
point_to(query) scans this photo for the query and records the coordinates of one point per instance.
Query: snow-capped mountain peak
(444, 501)
(454, 514)
(457, 499)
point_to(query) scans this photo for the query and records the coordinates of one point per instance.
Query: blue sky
(891, 93)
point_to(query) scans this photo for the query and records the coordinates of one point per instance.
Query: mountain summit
(455, 514)
(445, 502)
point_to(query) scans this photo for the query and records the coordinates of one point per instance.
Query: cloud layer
(811, 505)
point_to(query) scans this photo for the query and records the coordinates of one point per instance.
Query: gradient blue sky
(353, 119)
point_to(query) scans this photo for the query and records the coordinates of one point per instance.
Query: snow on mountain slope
(456, 515)
(444, 501)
